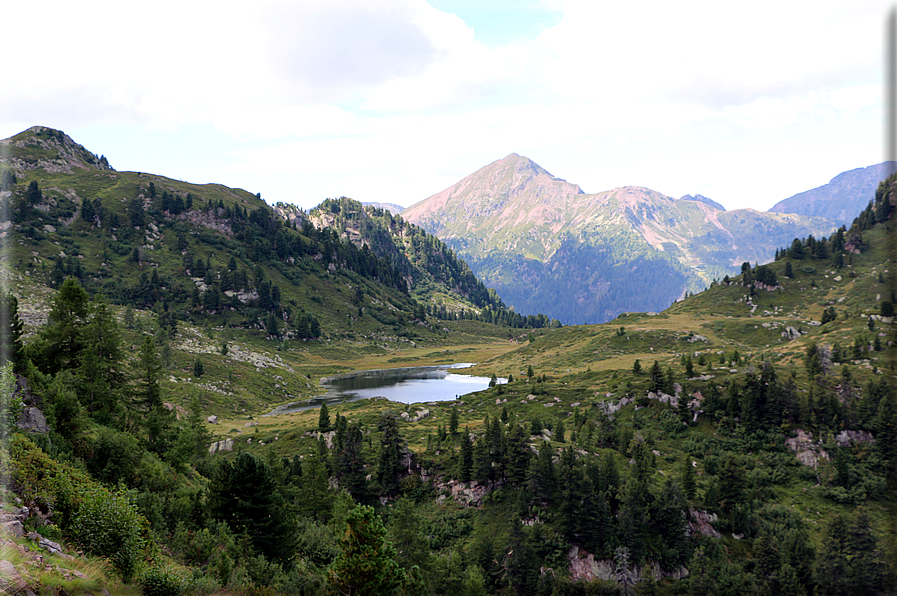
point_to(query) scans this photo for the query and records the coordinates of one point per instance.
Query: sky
(396, 100)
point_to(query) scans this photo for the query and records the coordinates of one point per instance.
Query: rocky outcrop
(33, 420)
(419, 415)
(808, 452)
(464, 493)
(583, 565)
(845, 438)
(223, 445)
(699, 522)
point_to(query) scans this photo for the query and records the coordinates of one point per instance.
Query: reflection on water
(406, 385)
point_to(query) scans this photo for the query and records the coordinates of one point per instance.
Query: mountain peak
(702, 199)
(45, 148)
(843, 198)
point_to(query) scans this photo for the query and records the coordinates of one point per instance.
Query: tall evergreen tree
(367, 564)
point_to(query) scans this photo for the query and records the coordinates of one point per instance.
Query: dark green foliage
(465, 460)
(243, 493)
(324, 419)
(348, 465)
(61, 338)
(11, 327)
(161, 581)
(115, 457)
(850, 561)
(108, 525)
(657, 380)
(406, 534)
(391, 446)
(367, 564)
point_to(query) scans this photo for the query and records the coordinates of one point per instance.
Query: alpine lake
(408, 385)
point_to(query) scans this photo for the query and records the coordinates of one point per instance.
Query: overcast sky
(395, 100)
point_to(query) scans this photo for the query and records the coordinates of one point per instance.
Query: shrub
(108, 525)
(161, 581)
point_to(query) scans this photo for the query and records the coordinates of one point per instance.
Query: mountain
(842, 198)
(546, 246)
(703, 199)
(217, 256)
(391, 207)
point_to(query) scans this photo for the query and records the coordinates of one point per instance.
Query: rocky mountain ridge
(842, 198)
(520, 228)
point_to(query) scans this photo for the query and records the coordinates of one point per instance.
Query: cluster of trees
(880, 209)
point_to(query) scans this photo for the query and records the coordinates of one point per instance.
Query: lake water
(409, 385)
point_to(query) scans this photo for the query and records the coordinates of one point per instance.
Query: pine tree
(656, 377)
(465, 462)
(391, 444)
(367, 564)
(324, 419)
(243, 493)
(11, 328)
(453, 422)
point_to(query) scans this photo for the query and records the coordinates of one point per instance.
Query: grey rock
(12, 528)
(33, 420)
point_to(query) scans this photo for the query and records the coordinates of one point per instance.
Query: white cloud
(395, 100)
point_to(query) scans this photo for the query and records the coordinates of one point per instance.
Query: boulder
(12, 528)
(33, 420)
(11, 581)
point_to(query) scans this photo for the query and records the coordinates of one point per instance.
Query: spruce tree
(367, 564)
(324, 419)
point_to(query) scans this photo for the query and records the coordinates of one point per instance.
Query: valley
(742, 440)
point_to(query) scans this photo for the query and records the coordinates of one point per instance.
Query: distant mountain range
(546, 246)
(391, 207)
(842, 198)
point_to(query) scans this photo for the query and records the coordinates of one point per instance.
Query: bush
(108, 525)
(161, 581)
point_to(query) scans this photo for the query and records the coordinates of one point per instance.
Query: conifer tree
(367, 564)
(324, 419)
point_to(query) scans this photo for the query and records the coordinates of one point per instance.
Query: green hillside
(742, 441)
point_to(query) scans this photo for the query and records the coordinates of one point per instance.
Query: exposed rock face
(584, 566)
(703, 199)
(464, 493)
(808, 452)
(419, 415)
(699, 522)
(849, 437)
(223, 445)
(33, 420)
(790, 333)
